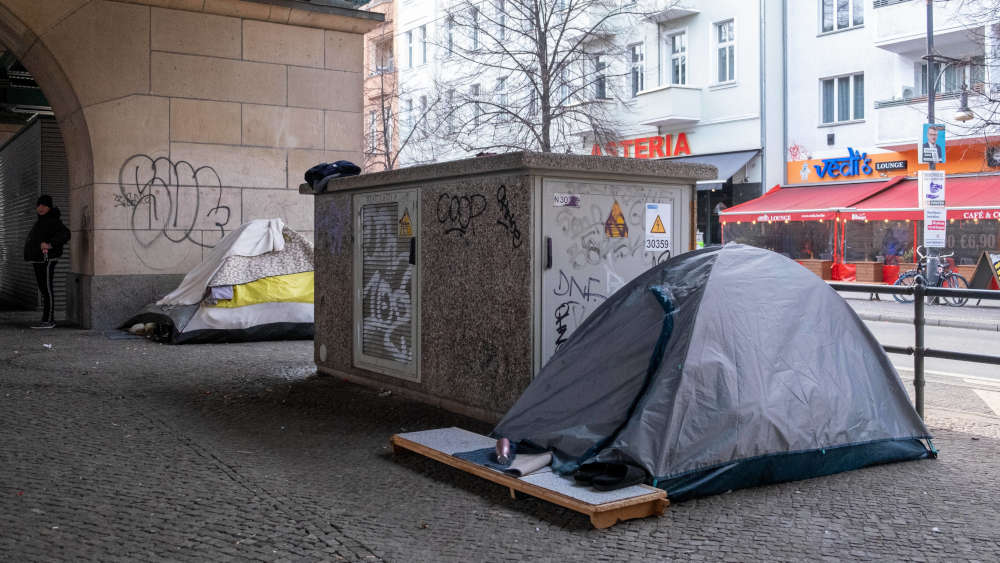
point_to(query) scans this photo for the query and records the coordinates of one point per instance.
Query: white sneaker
(44, 325)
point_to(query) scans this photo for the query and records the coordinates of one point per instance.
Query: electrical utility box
(455, 283)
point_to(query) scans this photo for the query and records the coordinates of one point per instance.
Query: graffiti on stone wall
(170, 201)
(589, 246)
(333, 226)
(507, 219)
(456, 212)
(387, 282)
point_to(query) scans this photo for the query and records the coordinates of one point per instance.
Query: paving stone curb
(951, 323)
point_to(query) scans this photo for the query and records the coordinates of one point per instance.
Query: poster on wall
(935, 227)
(658, 227)
(931, 188)
(932, 144)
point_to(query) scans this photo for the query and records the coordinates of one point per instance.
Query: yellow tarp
(290, 288)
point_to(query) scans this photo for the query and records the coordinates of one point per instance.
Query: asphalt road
(942, 338)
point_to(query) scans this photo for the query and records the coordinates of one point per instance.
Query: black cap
(45, 200)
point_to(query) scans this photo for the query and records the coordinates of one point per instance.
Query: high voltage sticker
(615, 226)
(658, 226)
(405, 226)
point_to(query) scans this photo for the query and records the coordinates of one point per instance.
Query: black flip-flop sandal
(619, 476)
(587, 471)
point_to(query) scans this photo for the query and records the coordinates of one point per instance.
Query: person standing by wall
(43, 249)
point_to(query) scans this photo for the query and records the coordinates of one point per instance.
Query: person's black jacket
(48, 228)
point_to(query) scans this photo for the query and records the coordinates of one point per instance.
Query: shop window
(842, 98)
(386, 280)
(969, 238)
(841, 14)
(799, 240)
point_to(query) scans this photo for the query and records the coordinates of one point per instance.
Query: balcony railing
(896, 102)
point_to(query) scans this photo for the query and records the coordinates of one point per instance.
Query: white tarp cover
(249, 239)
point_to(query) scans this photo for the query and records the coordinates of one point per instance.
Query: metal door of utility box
(598, 236)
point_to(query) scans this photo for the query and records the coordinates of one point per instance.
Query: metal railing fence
(919, 291)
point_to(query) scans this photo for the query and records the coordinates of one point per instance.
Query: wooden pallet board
(605, 508)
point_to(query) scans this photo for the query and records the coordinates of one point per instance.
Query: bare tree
(532, 74)
(396, 118)
(980, 73)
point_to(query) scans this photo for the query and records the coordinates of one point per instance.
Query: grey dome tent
(720, 369)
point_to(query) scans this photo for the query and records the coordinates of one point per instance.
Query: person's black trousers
(44, 272)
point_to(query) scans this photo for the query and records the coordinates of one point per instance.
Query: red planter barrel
(890, 274)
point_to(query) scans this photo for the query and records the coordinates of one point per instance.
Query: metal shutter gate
(385, 285)
(19, 172)
(54, 180)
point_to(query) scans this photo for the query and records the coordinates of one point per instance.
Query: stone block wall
(185, 119)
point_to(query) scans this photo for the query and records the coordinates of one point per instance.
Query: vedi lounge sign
(658, 146)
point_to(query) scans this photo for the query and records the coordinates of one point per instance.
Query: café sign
(846, 166)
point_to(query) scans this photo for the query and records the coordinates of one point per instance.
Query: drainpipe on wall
(784, 90)
(763, 104)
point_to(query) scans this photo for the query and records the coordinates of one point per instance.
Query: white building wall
(724, 117)
(887, 48)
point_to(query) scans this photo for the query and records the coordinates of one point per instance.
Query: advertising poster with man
(932, 144)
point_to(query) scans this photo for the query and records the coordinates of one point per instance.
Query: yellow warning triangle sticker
(658, 227)
(615, 226)
(405, 227)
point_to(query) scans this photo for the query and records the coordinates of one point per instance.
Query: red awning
(806, 203)
(970, 197)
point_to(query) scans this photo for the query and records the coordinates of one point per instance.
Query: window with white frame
(449, 39)
(449, 117)
(409, 49)
(952, 77)
(423, 44)
(841, 14)
(677, 48)
(422, 117)
(474, 15)
(407, 116)
(600, 78)
(725, 45)
(477, 108)
(636, 68)
(842, 98)
(502, 95)
(372, 131)
(381, 56)
(501, 20)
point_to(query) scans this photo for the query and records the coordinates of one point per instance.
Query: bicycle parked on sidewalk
(946, 277)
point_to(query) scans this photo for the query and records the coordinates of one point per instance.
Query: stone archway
(193, 116)
(19, 33)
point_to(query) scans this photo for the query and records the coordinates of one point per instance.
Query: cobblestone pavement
(130, 450)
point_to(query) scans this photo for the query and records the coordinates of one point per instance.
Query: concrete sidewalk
(984, 315)
(130, 450)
